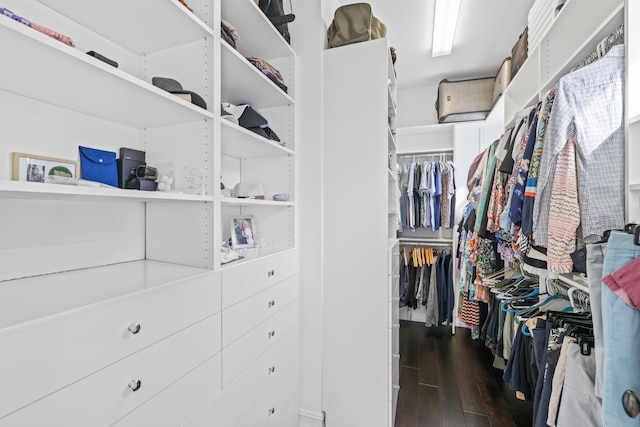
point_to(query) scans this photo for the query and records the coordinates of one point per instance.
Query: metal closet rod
(411, 242)
(446, 151)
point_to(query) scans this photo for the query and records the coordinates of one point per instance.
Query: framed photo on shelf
(35, 168)
(243, 231)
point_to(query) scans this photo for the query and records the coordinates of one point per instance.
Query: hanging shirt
(588, 107)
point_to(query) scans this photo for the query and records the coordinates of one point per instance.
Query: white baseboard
(309, 419)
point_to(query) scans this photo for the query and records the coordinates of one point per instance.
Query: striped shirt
(588, 108)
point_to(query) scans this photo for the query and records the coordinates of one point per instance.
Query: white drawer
(252, 384)
(181, 400)
(270, 409)
(241, 281)
(243, 317)
(106, 396)
(242, 352)
(46, 356)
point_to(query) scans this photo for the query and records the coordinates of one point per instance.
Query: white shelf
(57, 74)
(392, 140)
(232, 201)
(257, 36)
(252, 254)
(33, 298)
(245, 84)
(634, 187)
(35, 190)
(143, 26)
(633, 120)
(570, 59)
(569, 279)
(242, 143)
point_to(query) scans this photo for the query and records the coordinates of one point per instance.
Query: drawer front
(243, 392)
(244, 280)
(108, 395)
(250, 346)
(241, 318)
(269, 410)
(49, 356)
(181, 400)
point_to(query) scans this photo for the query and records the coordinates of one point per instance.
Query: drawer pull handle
(272, 303)
(271, 273)
(135, 385)
(271, 334)
(134, 328)
(272, 369)
(272, 411)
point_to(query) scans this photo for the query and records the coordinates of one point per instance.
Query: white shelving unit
(100, 284)
(560, 50)
(361, 270)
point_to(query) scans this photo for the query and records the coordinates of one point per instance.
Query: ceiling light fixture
(444, 26)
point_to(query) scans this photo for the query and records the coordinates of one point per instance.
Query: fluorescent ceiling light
(444, 26)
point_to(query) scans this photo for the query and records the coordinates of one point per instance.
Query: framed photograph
(243, 231)
(34, 168)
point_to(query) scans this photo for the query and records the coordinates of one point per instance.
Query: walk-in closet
(286, 213)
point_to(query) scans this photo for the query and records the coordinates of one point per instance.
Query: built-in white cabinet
(115, 306)
(360, 360)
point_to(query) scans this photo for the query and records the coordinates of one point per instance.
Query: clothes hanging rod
(423, 242)
(435, 151)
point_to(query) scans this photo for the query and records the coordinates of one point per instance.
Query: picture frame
(243, 231)
(35, 168)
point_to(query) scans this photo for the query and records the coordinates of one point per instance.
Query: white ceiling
(486, 32)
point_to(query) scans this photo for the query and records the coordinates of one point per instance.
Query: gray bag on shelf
(464, 100)
(502, 79)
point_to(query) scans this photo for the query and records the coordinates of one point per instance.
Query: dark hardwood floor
(448, 380)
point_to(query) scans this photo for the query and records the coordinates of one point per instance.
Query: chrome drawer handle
(272, 303)
(271, 333)
(134, 328)
(135, 385)
(272, 410)
(272, 369)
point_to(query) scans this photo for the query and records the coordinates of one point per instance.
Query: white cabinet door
(245, 280)
(241, 318)
(104, 397)
(181, 400)
(49, 355)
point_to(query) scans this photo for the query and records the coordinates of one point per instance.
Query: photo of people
(35, 172)
(243, 232)
(36, 168)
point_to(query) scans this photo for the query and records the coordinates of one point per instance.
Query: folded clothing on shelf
(269, 71)
(44, 30)
(248, 118)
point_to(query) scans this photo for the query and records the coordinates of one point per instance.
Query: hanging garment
(531, 186)
(432, 315)
(598, 134)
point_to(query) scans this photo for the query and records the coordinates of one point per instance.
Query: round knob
(135, 385)
(273, 272)
(272, 410)
(630, 404)
(272, 303)
(272, 369)
(134, 328)
(397, 387)
(271, 333)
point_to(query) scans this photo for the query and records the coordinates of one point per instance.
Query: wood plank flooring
(448, 380)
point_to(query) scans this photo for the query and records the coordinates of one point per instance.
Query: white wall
(416, 106)
(308, 37)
